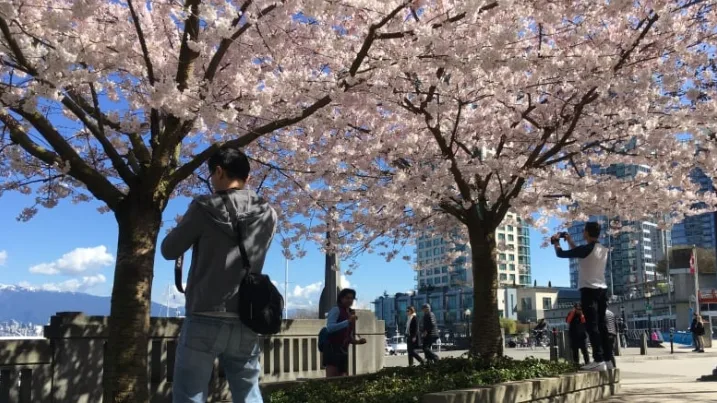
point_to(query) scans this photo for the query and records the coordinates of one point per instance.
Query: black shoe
(701, 351)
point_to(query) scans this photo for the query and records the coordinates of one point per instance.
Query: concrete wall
(66, 366)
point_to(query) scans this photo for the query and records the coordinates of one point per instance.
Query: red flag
(692, 263)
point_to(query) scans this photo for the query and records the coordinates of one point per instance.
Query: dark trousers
(427, 344)
(609, 350)
(594, 302)
(413, 353)
(579, 345)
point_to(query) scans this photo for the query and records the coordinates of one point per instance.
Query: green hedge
(408, 385)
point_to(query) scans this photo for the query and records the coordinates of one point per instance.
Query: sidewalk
(632, 354)
(665, 381)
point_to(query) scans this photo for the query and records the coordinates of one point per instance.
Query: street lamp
(468, 322)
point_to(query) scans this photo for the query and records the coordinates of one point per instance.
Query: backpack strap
(237, 229)
(178, 274)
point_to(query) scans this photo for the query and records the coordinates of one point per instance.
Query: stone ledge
(581, 387)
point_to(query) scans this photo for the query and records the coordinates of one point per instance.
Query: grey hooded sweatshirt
(216, 269)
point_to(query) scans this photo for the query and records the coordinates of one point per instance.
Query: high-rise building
(513, 259)
(699, 230)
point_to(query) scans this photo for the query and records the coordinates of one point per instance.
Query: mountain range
(36, 306)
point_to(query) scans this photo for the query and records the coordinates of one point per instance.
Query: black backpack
(261, 305)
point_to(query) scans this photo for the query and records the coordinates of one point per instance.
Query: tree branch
(625, 55)
(117, 162)
(17, 52)
(185, 170)
(153, 114)
(96, 183)
(226, 43)
(20, 137)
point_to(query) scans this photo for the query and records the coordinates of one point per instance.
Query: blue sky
(44, 253)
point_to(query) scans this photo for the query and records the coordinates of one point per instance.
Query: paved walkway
(666, 381)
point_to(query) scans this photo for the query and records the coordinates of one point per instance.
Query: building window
(512, 278)
(547, 303)
(445, 279)
(501, 237)
(420, 245)
(501, 256)
(436, 242)
(511, 266)
(503, 277)
(511, 258)
(502, 266)
(510, 228)
(526, 304)
(444, 269)
(511, 238)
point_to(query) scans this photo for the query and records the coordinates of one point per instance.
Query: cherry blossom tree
(123, 101)
(486, 107)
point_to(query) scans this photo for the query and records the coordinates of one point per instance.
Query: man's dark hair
(343, 293)
(593, 229)
(232, 160)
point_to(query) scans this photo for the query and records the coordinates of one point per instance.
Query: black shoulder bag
(261, 305)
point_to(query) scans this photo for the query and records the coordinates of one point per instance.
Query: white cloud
(3, 257)
(344, 282)
(309, 291)
(76, 262)
(73, 285)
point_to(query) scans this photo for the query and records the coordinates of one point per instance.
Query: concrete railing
(66, 365)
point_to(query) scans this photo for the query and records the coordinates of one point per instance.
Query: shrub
(408, 385)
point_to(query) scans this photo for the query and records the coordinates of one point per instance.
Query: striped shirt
(610, 322)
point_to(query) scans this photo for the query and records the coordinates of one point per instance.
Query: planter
(582, 387)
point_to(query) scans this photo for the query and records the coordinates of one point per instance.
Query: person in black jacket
(430, 333)
(577, 332)
(412, 340)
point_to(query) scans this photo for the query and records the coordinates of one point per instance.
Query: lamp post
(468, 322)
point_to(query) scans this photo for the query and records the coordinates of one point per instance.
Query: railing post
(643, 344)
(554, 345)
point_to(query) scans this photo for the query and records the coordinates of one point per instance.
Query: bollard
(672, 340)
(554, 346)
(643, 344)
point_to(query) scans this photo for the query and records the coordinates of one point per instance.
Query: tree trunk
(485, 328)
(125, 376)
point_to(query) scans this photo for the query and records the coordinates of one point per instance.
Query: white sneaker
(594, 366)
(609, 365)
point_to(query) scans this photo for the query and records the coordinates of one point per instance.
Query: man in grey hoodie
(212, 327)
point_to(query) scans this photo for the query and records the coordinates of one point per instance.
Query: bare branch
(107, 146)
(96, 183)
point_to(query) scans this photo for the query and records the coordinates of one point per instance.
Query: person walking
(577, 333)
(430, 333)
(212, 327)
(341, 326)
(693, 330)
(412, 339)
(622, 331)
(611, 326)
(592, 259)
(699, 334)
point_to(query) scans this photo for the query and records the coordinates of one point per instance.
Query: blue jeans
(201, 341)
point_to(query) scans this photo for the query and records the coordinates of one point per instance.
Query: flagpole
(696, 273)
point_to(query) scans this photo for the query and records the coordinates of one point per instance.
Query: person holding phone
(341, 326)
(592, 259)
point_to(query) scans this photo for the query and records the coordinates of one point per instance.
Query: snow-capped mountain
(35, 306)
